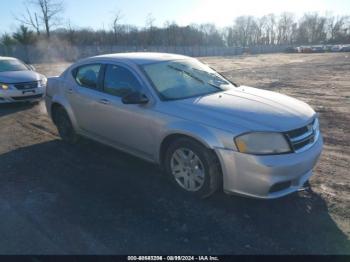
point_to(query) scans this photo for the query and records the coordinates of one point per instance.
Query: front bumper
(267, 177)
(14, 95)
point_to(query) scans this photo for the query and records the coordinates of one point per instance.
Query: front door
(127, 126)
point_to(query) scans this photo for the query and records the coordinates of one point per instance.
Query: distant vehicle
(291, 49)
(336, 48)
(327, 48)
(306, 49)
(205, 131)
(317, 49)
(19, 82)
(345, 48)
(299, 49)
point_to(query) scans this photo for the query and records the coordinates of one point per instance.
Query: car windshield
(12, 65)
(182, 79)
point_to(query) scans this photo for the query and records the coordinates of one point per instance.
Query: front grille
(298, 132)
(303, 138)
(21, 98)
(27, 85)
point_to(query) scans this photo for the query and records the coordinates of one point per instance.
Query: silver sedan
(19, 82)
(205, 131)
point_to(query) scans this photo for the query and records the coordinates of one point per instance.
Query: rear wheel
(64, 126)
(192, 167)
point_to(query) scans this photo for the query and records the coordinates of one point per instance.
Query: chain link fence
(62, 52)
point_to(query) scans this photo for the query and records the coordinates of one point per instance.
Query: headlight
(262, 143)
(316, 128)
(4, 86)
(43, 81)
(316, 125)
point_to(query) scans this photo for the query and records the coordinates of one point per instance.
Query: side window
(119, 81)
(87, 76)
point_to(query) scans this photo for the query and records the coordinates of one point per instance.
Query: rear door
(85, 96)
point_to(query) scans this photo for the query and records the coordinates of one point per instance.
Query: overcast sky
(98, 13)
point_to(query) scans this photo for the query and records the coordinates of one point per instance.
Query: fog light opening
(280, 187)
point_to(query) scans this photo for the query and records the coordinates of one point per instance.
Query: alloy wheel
(187, 169)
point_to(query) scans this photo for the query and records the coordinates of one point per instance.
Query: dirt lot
(90, 199)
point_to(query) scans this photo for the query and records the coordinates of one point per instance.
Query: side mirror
(135, 98)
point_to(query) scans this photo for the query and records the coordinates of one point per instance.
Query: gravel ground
(91, 199)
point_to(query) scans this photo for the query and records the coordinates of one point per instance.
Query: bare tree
(150, 21)
(337, 28)
(312, 29)
(228, 35)
(150, 29)
(50, 10)
(30, 19)
(271, 29)
(70, 32)
(46, 14)
(168, 34)
(116, 25)
(244, 30)
(285, 28)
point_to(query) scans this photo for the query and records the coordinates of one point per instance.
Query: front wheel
(193, 167)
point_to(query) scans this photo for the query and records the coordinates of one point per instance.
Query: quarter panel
(61, 100)
(56, 93)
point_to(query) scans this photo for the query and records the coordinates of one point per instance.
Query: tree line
(41, 21)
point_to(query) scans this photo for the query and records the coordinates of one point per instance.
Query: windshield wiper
(224, 79)
(194, 77)
(187, 73)
(218, 87)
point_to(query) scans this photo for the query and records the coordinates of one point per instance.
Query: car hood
(19, 77)
(245, 109)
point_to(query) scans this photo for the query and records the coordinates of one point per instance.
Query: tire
(199, 177)
(64, 126)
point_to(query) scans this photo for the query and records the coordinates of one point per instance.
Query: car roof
(140, 58)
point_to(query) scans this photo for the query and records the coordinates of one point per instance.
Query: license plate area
(28, 92)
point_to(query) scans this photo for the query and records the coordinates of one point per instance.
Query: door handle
(70, 90)
(104, 101)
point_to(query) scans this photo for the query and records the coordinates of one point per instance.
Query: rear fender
(64, 103)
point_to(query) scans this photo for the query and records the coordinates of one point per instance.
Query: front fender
(199, 132)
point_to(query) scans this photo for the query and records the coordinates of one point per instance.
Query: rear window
(87, 75)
